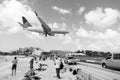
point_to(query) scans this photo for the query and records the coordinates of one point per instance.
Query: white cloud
(61, 10)
(82, 32)
(11, 12)
(109, 34)
(81, 10)
(14, 29)
(102, 18)
(54, 25)
(94, 40)
(74, 27)
(34, 36)
(66, 39)
(59, 26)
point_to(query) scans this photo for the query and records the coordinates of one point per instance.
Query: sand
(5, 70)
(23, 67)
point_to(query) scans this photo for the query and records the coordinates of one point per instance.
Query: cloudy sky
(93, 24)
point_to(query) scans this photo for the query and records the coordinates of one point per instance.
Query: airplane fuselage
(46, 32)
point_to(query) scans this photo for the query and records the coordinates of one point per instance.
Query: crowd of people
(58, 62)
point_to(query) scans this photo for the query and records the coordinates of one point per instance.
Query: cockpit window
(116, 56)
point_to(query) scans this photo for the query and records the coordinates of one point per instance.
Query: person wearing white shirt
(57, 66)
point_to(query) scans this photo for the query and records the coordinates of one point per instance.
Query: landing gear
(46, 34)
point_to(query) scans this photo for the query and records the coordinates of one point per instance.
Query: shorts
(14, 66)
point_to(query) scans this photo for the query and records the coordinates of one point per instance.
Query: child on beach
(14, 65)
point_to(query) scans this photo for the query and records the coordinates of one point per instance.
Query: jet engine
(51, 34)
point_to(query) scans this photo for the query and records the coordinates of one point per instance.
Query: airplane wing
(44, 25)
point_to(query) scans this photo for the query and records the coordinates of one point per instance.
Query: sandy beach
(5, 68)
(23, 67)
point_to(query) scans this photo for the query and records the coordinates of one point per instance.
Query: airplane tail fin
(25, 24)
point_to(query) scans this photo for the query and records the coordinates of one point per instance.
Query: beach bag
(74, 72)
(61, 65)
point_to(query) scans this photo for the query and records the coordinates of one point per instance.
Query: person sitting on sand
(14, 66)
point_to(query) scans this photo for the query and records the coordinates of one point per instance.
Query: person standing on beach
(57, 66)
(31, 63)
(14, 65)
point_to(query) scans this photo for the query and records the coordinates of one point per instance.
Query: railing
(85, 75)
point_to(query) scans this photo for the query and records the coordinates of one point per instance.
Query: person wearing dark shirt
(31, 63)
(14, 65)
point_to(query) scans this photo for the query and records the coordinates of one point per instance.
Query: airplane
(46, 29)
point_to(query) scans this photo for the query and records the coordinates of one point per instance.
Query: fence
(85, 75)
